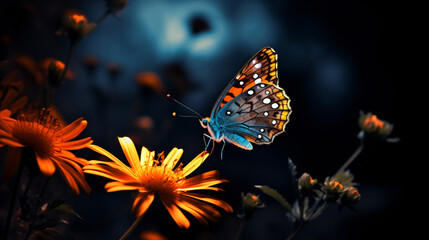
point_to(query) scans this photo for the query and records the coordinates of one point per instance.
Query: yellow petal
(141, 203)
(175, 212)
(120, 186)
(195, 163)
(146, 157)
(106, 153)
(172, 158)
(225, 206)
(130, 152)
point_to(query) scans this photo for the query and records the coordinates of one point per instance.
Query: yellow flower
(50, 142)
(149, 177)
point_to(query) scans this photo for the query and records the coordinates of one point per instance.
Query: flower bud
(250, 203)
(370, 124)
(55, 72)
(76, 25)
(333, 189)
(306, 182)
(350, 197)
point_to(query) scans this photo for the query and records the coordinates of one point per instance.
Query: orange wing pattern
(261, 68)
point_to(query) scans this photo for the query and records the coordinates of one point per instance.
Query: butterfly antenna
(183, 105)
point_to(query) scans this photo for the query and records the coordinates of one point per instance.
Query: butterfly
(253, 108)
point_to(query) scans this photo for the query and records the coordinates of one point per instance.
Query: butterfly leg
(221, 153)
(206, 144)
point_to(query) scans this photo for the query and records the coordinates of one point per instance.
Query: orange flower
(149, 176)
(369, 123)
(76, 25)
(50, 142)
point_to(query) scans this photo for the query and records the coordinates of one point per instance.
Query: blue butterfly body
(252, 108)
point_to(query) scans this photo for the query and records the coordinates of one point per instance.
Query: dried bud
(250, 203)
(76, 25)
(370, 124)
(55, 72)
(333, 189)
(306, 182)
(350, 197)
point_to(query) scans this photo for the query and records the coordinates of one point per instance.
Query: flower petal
(146, 157)
(141, 203)
(120, 186)
(222, 204)
(108, 172)
(175, 212)
(77, 144)
(172, 158)
(73, 129)
(46, 165)
(104, 152)
(130, 152)
(201, 181)
(195, 163)
(7, 139)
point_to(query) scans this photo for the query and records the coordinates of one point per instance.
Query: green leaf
(67, 209)
(276, 195)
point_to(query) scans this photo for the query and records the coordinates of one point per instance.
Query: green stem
(131, 229)
(12, 201)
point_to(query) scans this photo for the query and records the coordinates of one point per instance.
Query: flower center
(35, 135)
(160, 179)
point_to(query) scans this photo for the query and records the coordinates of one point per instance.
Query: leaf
(67, 209)
(276, 195)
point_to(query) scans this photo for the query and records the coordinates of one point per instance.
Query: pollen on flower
(79, 18)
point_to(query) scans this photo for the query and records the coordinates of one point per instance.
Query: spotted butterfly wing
(252, 108)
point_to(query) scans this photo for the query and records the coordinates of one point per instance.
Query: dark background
(335, 59)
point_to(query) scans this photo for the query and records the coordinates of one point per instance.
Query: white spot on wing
(258, 65)
(266, 100)
(255, 76)
(258, 81)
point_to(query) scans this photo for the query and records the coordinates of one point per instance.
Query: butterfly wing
(261, 68)
(257, 115)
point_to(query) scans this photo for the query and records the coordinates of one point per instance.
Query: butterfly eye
(204, 122)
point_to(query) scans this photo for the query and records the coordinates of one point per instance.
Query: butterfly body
(252, 108)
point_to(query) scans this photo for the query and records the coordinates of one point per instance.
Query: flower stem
(131, 229)
(12, 200)
(240, 229)
(107, 12)
(351, 159)
(297, 230)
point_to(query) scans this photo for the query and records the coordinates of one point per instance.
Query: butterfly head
(205, 122)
